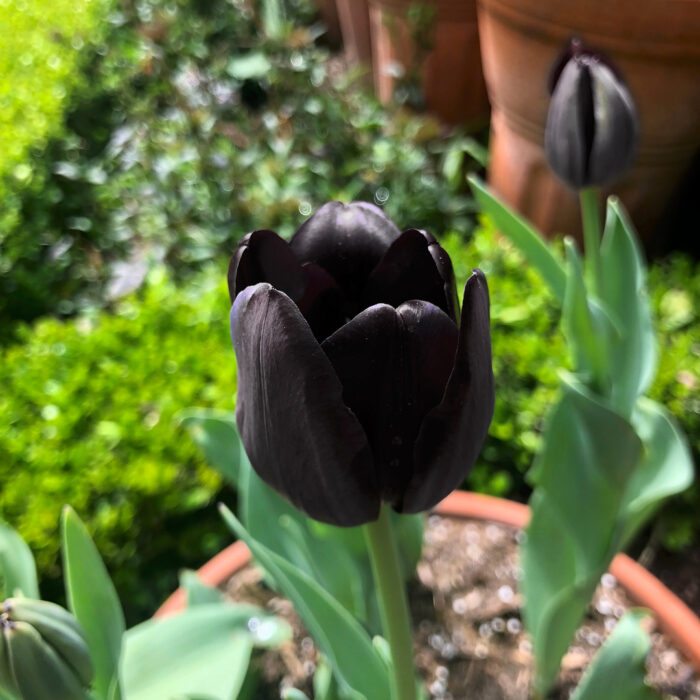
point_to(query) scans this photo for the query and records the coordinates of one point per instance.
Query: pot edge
(673, 616)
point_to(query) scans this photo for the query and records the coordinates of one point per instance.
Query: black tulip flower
(591, 132)
(359, 381)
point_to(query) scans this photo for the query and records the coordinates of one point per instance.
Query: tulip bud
(43, 653)
(359, 379)
(591, 132)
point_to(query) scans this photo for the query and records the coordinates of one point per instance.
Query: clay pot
(354, 25)
(329, 14)
(655, 46)
(450, 72)
(673, 616)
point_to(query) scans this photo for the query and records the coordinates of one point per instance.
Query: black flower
(591, 132)
(357, 380)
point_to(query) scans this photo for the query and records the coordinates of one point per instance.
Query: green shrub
(194, 127)
(88, 418)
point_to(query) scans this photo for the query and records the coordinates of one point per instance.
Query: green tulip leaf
(287, 532)
(665, 470)
(619, 664)
(215, 433)
(623, 292)
(17, 565)
(555, 596)
(590, 454)
(201, 652)
(337, 633)
(523, 236)
(196, 591)
(587, 328)
(93, 600)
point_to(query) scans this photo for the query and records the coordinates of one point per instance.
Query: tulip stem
(590, 216)
(393, 603)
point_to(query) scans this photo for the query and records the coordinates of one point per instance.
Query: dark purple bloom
(358, 380)
(591, 132)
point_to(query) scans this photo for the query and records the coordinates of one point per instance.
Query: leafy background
(180, 125)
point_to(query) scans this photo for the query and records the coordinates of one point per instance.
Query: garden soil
(469, 639)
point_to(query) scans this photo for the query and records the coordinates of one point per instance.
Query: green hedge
(89, 410)
(88, 413)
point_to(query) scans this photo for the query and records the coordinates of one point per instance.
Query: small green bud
(591, 132)
(43, 652)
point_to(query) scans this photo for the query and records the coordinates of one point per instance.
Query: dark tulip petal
(299, 435)
(262, 256)
(414, 267)
(394, 365)
(453, 433)
(615, 142)
(323, 304)
(347, 240)
(564, 140)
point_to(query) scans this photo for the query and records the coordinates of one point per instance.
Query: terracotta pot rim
(679, 43)
(673, 616)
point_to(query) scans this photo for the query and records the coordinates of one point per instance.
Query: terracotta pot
(673, 616)
(329, 14)
(656, 47)
(450, 74)
(354, 26)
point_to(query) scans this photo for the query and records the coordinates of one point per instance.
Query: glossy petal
(262, 256)
(394, 365)
(615, 143)
(322, 305)
(452, 433)
(300, 437)
(565, 133)
(347, 240)
(414, 267)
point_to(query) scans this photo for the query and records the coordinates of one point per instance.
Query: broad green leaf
(261, 510)
(17, 565)
(93, 600)
(665, 470)
(590, 453)
(555, 598)
(337, 633)
(201, 652)
(215, 432)
(249, 65)
(585, 326)
(523, 236)
(619, 664)
(197, 592)
(332, 566)
(287, 532)
(623, 292)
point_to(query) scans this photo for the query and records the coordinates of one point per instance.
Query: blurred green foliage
(88, 418)
(196, 122)
(40, 54)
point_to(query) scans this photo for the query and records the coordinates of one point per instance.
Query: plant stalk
(590, 217)
(393, 603)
